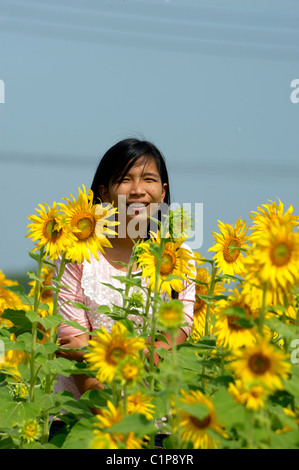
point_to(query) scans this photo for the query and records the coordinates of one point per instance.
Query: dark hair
(118, 160)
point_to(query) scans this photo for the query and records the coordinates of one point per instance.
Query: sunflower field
(233, 384)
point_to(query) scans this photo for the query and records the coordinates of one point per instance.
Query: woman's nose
(137, 187)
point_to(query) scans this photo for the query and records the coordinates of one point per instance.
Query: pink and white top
(85, 282)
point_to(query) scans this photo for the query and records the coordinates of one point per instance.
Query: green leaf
(292, 384)
(103, 309)
(45, 349)
(81, 435)
(288, 331)
(34, 277)
(18, 289)
(288, 440)
(18, 318)
(8, 443)
(58, 365)
(129, 281)
(72, 323)
(187, 359)
(15, 413)
(228, 412)
(198, 410)
(49, 263)
(136, 422)
(20, 292)
(95, 398)
(35, 256)
(112, 287)
(78, 305)
(47, 322)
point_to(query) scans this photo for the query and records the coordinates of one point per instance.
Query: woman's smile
(139, 192)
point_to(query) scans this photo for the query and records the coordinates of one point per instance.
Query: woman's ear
(104, 193)
(164, 189)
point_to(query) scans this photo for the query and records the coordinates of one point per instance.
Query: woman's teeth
(137, 204)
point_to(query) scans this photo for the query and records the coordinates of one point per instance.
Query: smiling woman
(132, 176)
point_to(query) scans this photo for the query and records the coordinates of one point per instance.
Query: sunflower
(140, 403)
(129, 370)
(112, 440)
(170, 315)
(291, 424)
(108, 350)
(274, 258)
(202, 287)
(195, 430)
(176, 261)
(229, 248)
(8, 299)
(252, 290)
(233, 326)
(20, 392)
(48, 230)
(90, 225)
(270, 213)
(31, 430)
(253, 397)
(46, 294)
(104, 440)
(261, 363)
(12, 359)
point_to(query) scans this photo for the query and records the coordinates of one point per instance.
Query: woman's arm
(82, 381)
(69, 336)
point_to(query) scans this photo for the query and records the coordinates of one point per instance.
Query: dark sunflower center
(201, 423)
(85, 222)
(280, 254)
(259, 363)
(116, 355)
(233, 324)
(49, 232)
(230, 250)
(167, 262)
(232, 320)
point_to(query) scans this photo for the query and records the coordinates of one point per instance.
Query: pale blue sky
(209, 84)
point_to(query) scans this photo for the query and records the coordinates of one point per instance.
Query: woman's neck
(121, 251)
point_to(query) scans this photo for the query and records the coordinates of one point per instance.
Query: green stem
(146, 312)
(207, 319)
(125, 399)
(128, 275)
(34, 326)
(153, 325)
(52, 339)
(210, 293)
(262, 312)
(176, 385)
(154, 314)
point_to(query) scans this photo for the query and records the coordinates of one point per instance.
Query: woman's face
(138, 193)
